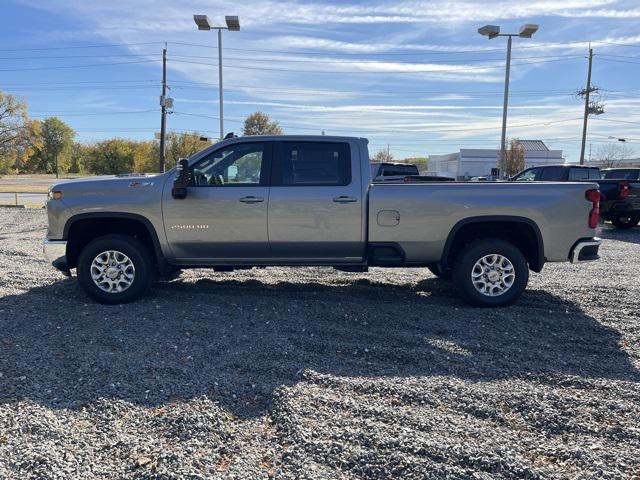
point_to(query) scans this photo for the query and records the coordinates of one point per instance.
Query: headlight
(54, 195)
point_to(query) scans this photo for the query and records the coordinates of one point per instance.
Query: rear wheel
(115, 269)
(625, 222)
(491, 273)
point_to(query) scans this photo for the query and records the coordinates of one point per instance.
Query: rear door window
(594, 174)
(577, 173)
(312, 163)
(553, 174)
(622, 174)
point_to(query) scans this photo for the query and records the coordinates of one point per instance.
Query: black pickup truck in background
(619, 188)
(393, 172)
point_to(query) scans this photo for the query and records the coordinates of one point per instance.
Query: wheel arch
(523, 232)
(82, 228)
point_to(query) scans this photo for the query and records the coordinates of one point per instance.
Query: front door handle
(344, 199)
(251, 199)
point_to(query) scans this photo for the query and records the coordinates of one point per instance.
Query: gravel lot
(314, 373)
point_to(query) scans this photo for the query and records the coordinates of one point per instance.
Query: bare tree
(383, 156)
(611, 154)
(514, 157)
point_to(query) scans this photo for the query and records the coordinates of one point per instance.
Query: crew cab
(309, 200)
(619, 188)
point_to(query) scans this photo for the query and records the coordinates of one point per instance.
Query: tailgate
(634, 194)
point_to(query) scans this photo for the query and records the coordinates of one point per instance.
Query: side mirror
(181, 182)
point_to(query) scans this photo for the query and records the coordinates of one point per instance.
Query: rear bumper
(55, 252)
(620, 208)
(585, 249)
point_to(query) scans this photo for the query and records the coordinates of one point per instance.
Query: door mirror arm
(181, 182)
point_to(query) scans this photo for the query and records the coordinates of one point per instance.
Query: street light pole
(493, 31)
(233, 25)
(220, 88)
(505, 104)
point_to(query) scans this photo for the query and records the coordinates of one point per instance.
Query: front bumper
(585, 250)
(55, 252)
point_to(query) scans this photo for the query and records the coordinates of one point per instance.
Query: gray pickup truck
(309, 200)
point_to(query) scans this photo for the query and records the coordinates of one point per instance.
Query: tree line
(48, 146)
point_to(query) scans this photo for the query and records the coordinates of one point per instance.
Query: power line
(387, 72)
(444, 128)
(61, 67)
(434, 50)
(57, 57)
(365, 60)
(288, 52)
(77, 47)
(619, 61)
(84, 114)
(618, 121)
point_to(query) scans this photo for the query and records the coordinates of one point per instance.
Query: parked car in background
(620, 194)
(558, 173)
(309, 200)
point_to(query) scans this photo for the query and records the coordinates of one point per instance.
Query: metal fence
(22, 198)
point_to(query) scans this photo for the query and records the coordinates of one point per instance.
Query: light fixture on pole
(233, 25)
(493, 31)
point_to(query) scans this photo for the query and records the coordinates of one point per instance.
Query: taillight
(408, 180)
(594, 215)
(623, 188)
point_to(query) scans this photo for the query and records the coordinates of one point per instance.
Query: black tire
(438, 271)
(625, 222)
(139, 257)
(474, 252)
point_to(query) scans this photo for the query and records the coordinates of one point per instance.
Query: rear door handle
(344, 199)
(251, 199)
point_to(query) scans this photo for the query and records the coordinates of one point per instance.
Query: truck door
(224, 216)
(316, 202)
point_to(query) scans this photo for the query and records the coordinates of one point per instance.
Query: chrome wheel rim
(493, 275)
(112, 271)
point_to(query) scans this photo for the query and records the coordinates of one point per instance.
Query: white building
(478, 162)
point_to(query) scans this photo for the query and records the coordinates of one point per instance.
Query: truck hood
(108, 181)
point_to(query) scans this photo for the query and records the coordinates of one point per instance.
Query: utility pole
(388, 152)
(56, 164)
(587, 91)
(163, 109)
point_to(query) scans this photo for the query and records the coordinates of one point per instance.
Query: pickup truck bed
(298, 200)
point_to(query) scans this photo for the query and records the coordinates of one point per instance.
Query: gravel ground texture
(315, 373)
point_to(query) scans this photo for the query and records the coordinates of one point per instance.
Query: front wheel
(115, 269)
(625, 222)
(491, 273)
